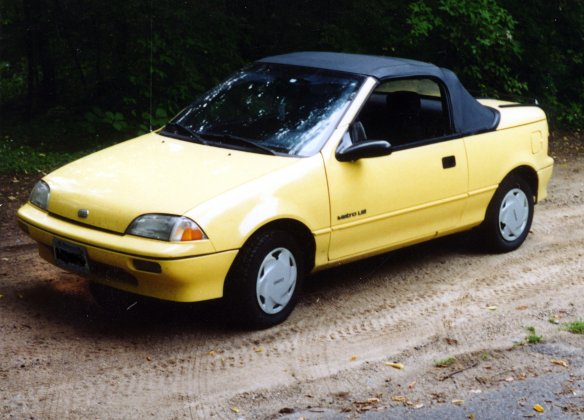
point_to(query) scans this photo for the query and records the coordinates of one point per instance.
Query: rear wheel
(509, 216)
(266, 279)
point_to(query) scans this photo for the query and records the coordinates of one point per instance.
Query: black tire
(506, 232)
(257, 299)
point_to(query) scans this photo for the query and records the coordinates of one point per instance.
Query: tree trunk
(38, 55)
(30, 61)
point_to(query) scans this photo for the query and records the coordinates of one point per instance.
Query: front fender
(298, 192)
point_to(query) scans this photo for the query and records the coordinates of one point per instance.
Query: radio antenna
(151, 70)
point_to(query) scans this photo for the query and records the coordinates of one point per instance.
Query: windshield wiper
(237, 140)
(186, 130)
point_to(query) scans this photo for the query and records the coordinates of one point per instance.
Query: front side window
(281, 109)
(406, 111)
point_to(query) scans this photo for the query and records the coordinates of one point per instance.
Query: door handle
(448, 162)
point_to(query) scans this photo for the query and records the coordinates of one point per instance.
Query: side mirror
(364, 149)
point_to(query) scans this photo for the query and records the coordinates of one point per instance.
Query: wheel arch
(528, 174)
(300, 231)
(294, 227)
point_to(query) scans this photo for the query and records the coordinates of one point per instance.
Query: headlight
(39, 195)
(166, 228)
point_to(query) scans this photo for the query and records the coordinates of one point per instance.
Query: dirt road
(61, 356)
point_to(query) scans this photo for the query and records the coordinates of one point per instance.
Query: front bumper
(181, 272)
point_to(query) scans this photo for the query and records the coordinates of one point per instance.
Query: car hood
(151, 174)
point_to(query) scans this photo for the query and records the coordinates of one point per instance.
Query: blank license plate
(70, 256)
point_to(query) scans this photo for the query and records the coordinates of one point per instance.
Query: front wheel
(509, 216)
(266, 278)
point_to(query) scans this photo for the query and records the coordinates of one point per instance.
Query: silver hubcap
(276, 280)
(513, 214)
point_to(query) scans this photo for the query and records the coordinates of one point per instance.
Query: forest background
(77, 75)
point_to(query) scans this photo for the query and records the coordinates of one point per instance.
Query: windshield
(281, 109)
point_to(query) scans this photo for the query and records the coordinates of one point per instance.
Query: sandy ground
(62, 356)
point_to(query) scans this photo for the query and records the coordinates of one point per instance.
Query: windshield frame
(315, 138)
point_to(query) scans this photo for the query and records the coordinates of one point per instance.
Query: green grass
(576, 327)
(27, 159)
(48, 141)
(532, 337)
(449, 361)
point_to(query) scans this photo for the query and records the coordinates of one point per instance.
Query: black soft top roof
(469, 116)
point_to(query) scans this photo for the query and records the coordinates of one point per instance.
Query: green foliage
(153, 122)
(21, 158)
(109, 68)
(97, 117)
(475, 38)
(116, 120)
(442, 363)
(12, 81)
(551, 34)
(532, 337)
(576, 327)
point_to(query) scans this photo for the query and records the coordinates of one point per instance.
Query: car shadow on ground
(437, 251)
(67, 300)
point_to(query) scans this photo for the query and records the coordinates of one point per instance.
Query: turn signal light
(190, 234)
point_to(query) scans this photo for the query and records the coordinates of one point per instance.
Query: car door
(415, 193)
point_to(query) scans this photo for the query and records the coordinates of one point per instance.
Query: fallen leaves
(353, 358)
(376, 403)
(406, 401)
(394, 365)
(559, 362)
(367, 404)
(235, 409)
(457, 402)
(538, 408)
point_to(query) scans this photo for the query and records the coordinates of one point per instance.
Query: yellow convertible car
(296, 163)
